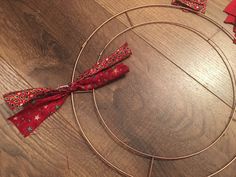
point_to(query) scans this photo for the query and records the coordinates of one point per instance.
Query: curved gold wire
(229, 68)
(163, 157)
(232, 77)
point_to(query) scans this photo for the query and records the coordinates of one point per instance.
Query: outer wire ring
(84, 45)
(232, 76)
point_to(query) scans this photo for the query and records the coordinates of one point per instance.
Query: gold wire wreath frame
(120, 142)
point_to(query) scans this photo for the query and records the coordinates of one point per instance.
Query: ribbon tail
(102, 78)
(17, 100)
(230, 19)
(194, 5)
(35, 112)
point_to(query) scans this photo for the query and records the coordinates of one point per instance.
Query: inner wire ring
(164, 157)
(229, 68)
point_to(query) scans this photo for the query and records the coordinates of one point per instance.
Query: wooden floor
(175, 100)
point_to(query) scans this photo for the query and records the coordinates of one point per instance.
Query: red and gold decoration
(36, 104)
(196, 5)
(231, 18)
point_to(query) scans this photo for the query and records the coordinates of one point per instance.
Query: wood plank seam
(213, 35)
(128, 18)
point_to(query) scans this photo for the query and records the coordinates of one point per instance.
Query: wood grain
(156, 108)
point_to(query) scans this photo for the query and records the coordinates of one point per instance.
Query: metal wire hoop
(228, 66)
(233, 107)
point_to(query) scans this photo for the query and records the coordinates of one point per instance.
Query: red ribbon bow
(196, 5)
(39, 103)
(231, 18)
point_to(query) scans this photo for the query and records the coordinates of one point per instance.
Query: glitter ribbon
(37, 104)
(196, 5)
